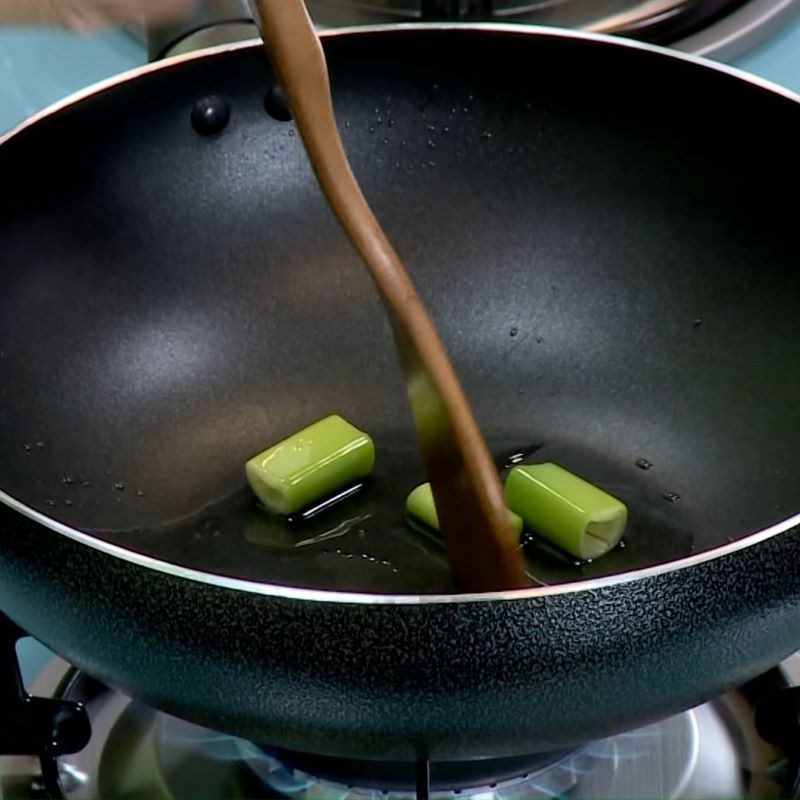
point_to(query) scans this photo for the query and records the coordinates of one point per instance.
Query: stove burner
(619, 767)
(391, 777)
(136, 752)
(531, 778)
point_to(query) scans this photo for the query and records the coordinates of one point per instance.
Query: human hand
(89, 15)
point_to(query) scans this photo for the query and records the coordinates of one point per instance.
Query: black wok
(599, 230)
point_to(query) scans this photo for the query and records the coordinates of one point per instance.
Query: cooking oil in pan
(360, 540)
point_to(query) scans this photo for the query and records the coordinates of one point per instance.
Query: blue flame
(550, 783)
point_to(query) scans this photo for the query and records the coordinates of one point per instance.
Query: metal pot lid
(722, 29)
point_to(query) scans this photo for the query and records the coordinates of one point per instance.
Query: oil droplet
(40, 445)
(445, 129)
(671, 497)
(487, 136)
(513, 332)
(327, 503)
(51, 503)
(379, 120)
(390, 123)
(86, 484)
(397, 165)
(698, 322)
(68, 502)
(470, 98)
(347, 124)
(432, 164)
(431, 144)
(340, 530)
(139, 493)
(526, 539)
(386, 141)
(119, 486)
(431, 128)
(290, 132)
(520, 455)
(67, 480)
(643, 463)
(372, 129)
(27, 448)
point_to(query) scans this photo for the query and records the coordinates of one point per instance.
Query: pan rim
(277, 591)
(281, 592)
(516, 29)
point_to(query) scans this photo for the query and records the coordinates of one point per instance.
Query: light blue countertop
(779, 59)
(39, 67)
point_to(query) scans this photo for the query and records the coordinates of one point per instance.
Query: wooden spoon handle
(469, 496)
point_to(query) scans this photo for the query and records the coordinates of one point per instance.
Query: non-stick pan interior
(598, 231)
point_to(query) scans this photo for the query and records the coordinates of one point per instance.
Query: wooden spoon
(481, 548)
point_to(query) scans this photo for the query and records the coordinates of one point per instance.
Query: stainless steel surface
(734, 34)
(199, 25)
(738, 32)
(709, 753)
(219, 34)
(599, 15)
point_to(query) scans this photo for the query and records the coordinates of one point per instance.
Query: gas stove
(711, 752)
